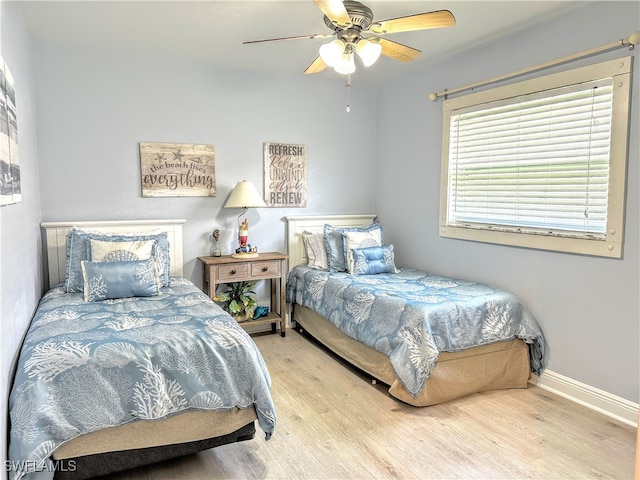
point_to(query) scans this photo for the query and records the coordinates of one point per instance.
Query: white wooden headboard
(296, 224)
(56, 240)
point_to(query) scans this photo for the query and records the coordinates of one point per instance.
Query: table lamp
(244, 195)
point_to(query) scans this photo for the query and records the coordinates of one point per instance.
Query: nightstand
(267, 266)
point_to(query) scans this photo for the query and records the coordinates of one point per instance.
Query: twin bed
(430, 338)
(128, 363)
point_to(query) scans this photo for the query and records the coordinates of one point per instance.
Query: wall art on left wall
(10, 189)
(177, 170)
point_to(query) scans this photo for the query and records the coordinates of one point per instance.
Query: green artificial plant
(236, 299)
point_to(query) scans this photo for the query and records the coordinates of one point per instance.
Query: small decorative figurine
(245, 249)
(215, 248)
(244, 233)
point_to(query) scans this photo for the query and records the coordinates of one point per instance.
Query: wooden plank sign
(177, 170)
(285, 175)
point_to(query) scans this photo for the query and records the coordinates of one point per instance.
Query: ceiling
(213, 31)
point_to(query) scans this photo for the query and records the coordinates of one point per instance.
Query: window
(540, 163)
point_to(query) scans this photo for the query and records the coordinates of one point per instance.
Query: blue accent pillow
(78, 249)
(335, 242)
(373, 260)
(103, 280)
(359, 240)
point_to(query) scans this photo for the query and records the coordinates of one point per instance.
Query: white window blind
(539, 162)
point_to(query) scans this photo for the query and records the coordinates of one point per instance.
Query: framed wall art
(177, 170)
(10, 189)
(285, 175)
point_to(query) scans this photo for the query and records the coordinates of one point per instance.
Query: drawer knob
(232, 272)
(264, 269)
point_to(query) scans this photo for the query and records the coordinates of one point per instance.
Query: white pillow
(106, 251)
(315, 249)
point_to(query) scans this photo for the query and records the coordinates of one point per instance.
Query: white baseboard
(591, 397)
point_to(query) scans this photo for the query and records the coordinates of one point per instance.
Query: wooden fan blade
(316, 66)
(313, 36)
(420, 21)
(334, 11)
(396, 50)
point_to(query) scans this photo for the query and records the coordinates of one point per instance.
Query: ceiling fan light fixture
(346, 64)
(369, 52)
(349, 19)
(331, 52)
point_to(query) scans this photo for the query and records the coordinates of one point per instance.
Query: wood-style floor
(334, 424)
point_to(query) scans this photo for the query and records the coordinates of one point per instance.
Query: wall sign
(285, 175)
(177, 170)
(10, 190)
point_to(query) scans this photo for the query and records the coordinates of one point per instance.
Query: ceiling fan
(356, 32)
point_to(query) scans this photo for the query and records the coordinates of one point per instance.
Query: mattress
(145, 442)
(496, 366)
(189, 426)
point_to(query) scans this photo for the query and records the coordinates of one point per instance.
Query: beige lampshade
(244, 195)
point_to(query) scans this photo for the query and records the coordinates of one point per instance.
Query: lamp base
(245, 255)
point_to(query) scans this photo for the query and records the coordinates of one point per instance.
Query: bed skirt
(496, 366)
(149, 441)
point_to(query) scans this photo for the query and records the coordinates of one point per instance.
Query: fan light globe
(330, 52)
(368, 52)
(345, 65)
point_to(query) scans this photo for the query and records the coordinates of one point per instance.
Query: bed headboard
(56, 240)
(296, 224)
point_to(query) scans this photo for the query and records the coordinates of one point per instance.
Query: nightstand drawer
(265, 269)
(236, 272)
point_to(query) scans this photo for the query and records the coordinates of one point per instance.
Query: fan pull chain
(348, 93)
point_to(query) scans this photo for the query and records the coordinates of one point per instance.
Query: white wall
(20, 245)
(94, 108)
(588, 307)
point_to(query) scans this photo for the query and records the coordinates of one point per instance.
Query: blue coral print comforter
(85, 366)
(411, 316)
